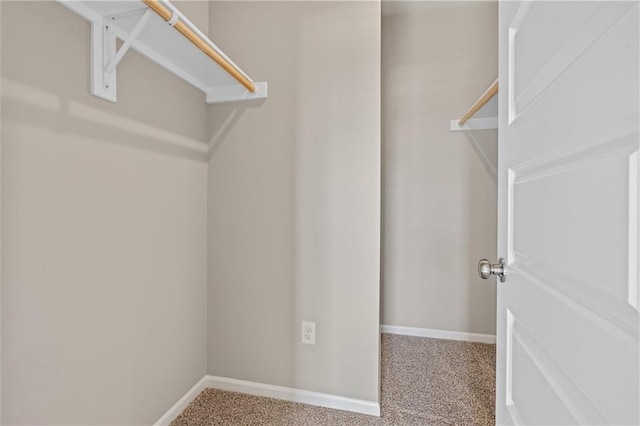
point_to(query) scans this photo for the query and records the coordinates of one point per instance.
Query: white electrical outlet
(308, 333)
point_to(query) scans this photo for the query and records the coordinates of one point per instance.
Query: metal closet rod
(166, 14)
(482, 100)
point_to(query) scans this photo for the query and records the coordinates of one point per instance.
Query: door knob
(486, 269)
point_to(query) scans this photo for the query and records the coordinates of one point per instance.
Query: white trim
(438, 334)
(182, 403)
(326, 400)
(295, 395)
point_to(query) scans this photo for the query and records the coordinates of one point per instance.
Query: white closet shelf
(159, 31)
(485, 111)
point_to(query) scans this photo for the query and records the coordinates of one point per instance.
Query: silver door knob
(486, 269)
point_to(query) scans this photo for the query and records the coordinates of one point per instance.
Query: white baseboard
(182, 403)
(371, 408)
(296, 395)
(438, 334)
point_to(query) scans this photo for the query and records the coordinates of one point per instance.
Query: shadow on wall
(485, 145)
(57, 95)
(224, 119)
(36, 107)
(482, 226)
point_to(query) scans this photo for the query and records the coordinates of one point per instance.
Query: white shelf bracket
(103, 50)
(129, 41)
(105, 59)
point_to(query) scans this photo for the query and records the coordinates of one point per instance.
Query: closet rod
(167, 15)
(482, 100)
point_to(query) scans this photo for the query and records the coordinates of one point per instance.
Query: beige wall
(104, 304)
(294, 198)
(104, 220)
(439, 191)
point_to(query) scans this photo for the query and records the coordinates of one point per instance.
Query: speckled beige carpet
(424, 382)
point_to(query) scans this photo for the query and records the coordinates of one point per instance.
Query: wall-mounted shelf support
(129, 41)
(103, 51)
(105, 59)
(159, 31)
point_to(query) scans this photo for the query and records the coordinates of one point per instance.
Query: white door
(568, 223)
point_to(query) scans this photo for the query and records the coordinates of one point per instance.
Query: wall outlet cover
(308, 333)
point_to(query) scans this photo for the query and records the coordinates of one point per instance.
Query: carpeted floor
(424, 382)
